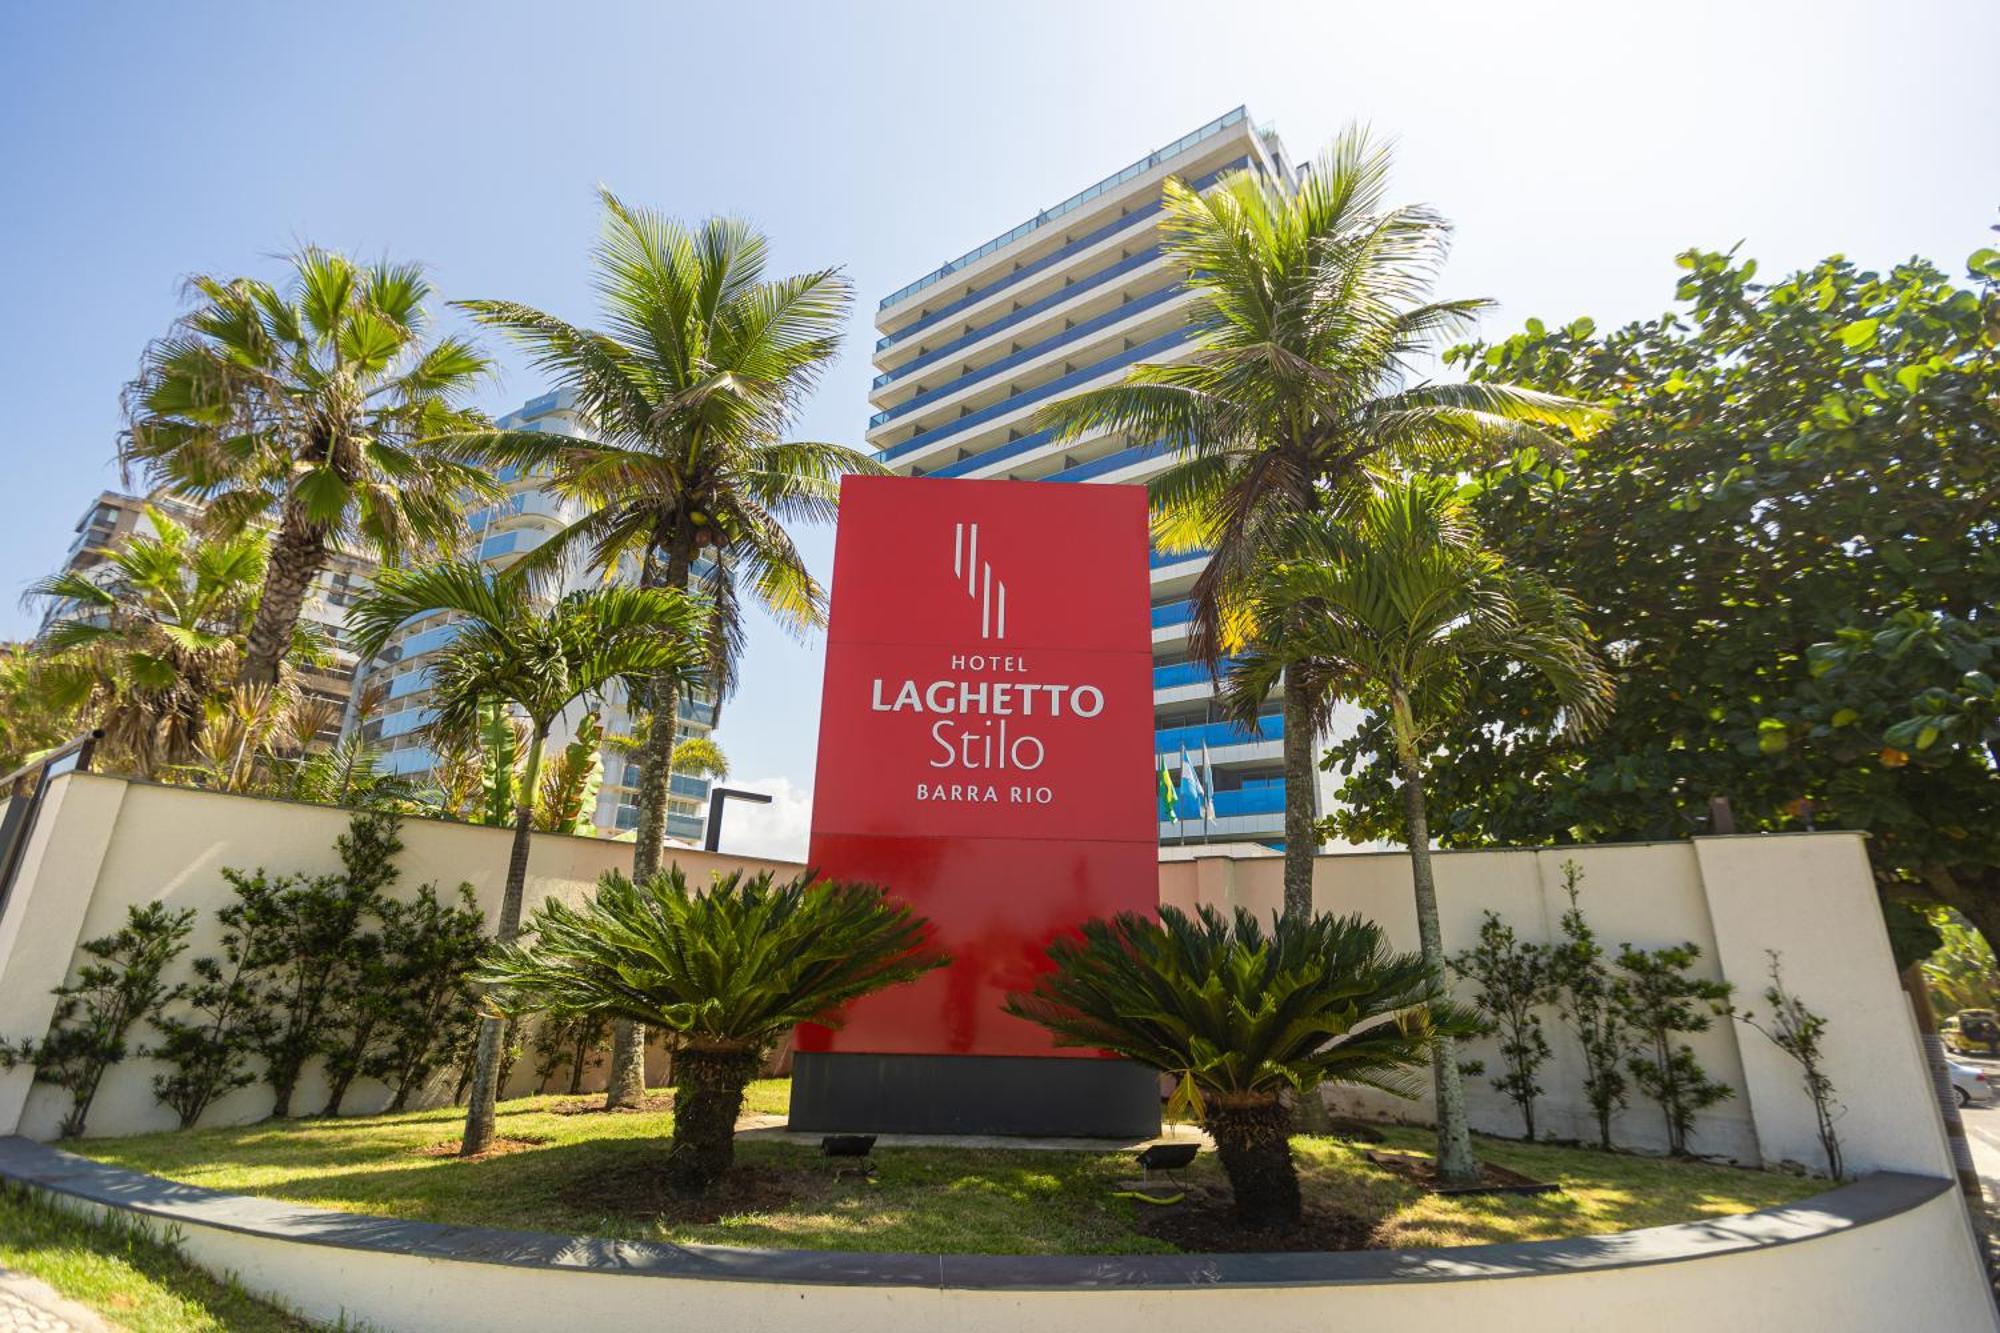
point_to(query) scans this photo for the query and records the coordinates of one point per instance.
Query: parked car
(1970, 1086)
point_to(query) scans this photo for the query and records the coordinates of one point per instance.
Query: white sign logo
(980, 585)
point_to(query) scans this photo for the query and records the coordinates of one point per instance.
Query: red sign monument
(985, 752)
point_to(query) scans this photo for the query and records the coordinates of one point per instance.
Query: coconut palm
(538, 659)
(1400, 604)
(1245, 1016)
(1313, 311)
(729, 969)
(309, 410)
(690, 388)
(147, 643)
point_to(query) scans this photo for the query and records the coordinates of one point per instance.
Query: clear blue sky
(1578, 147)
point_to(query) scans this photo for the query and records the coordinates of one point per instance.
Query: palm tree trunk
(708, 1096)
(1257, 1157)
(480, 1110)
(1940, 1071)
(1301, 802)
(625, 1084)
(296, 558)
(1456, 1164)
(1302, 848)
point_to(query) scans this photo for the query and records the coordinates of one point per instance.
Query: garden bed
(598, 1175)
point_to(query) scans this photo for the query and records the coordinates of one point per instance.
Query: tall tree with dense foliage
(729, 968)
(1246, 1014)
(311, 409)
(1313, 310)
(1788, 534)
(1399, 604)
(690, 387)
(146, 644)
(537, 658)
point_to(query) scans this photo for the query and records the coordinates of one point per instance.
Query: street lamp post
(716, 796)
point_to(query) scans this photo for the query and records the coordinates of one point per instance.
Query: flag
(1192, 795)
(1207, 784)
(1169, 811)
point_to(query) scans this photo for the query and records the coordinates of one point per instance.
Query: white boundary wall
(1808, 896)
(103, 844)
(1803, 1269)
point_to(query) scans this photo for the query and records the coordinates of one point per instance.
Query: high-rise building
(502, 532)
(114, 518)
(1067, 301)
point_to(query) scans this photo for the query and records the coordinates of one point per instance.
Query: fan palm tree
(1400, 604)
(729, 969)
(690, 389)
(1313, 312)
(538, 659)
(148, 642)
(309, 410)
(1244, 1017)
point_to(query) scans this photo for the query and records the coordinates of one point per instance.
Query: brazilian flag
(1169, 798)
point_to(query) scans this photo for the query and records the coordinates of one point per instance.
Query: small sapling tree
(1799, 1032)
(1515, 979)
(1659, 999)
(209, 1048)
(123, 983)
(1583, 985)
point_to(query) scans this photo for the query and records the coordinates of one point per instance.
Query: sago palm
(728, 969)
(309, 409)
(147, 642)
(539, 659)
(1244, 1016)
(689, 387)
(1314, 325)
(1399, 604)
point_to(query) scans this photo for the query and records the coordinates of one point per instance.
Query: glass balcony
(1116, 315)
(1080, 287)
(1069, 205)
(405, 762)
(1054, 257)
(409, 683)
(539, 503)
(1171, 740)
(1160, 558)
(1172, 613)
(1060, 384)
(400, 724)
(1248, 800)
(1185, 673)
(1097, 467)
(517, 542)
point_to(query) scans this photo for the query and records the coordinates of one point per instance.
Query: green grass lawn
(927, 1200)
(132, 1279)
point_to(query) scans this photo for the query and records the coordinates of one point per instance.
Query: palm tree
(539, 660)
(1244, 1017)
(148, 642)
(1400, 604)
(690, 389)
(309, 410)
(1314, 320)
(729, 969)
(33, 719)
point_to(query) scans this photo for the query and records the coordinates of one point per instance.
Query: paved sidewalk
(30, 1305)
